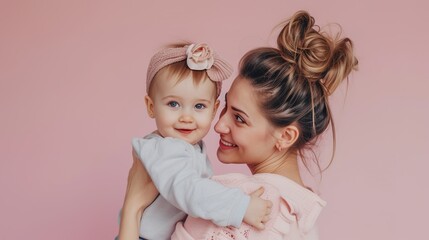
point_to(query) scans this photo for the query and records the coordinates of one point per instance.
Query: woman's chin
(224, 157)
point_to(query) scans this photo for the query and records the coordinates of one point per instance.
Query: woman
(275, 109)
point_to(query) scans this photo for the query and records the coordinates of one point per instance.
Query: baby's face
(183, 109)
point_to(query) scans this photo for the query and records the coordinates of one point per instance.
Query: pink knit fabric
(219, 71)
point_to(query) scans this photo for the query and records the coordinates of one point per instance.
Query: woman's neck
(284, 164)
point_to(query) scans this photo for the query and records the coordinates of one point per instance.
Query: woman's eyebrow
(234, 108)
(239, 110)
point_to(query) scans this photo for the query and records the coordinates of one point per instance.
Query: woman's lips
(224, 145)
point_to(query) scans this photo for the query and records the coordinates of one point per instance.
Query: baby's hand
(258, 211)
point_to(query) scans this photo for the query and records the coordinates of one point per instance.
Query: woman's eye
(239, 119)
(200, 106)
(173, 104)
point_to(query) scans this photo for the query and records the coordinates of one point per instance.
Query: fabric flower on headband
(199, 57)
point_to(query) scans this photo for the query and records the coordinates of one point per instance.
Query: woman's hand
(140, 189)
(140, 193)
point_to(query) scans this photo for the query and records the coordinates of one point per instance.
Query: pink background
(72, 81)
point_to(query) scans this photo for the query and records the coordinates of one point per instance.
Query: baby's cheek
(206, 122)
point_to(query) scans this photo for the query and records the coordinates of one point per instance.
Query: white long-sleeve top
(181, 172)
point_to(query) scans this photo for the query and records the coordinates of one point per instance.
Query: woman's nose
(221, 126)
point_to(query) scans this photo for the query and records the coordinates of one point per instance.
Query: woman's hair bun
(314, 55)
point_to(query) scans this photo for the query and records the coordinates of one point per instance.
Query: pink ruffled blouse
(294, 213)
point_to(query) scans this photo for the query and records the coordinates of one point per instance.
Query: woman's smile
(224, 145)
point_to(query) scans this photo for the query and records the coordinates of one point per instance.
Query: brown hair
(295, 79)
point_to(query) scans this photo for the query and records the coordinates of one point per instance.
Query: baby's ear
(149, 106)
(216, 106)
(286, 137)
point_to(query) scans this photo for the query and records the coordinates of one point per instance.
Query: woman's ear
(286, 137)
(149, 106)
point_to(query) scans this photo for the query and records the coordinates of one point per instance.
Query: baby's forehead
(185, 87)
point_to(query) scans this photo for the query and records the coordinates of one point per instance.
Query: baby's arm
(178, 179)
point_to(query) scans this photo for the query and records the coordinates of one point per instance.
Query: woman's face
(246, 136)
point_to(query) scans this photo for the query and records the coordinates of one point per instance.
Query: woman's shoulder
(295, 204)
(282, 184)
(231, 177)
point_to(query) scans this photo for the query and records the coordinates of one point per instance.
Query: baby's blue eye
(173, 104)
(200, 106)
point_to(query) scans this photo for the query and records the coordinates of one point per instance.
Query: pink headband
(198, 57)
